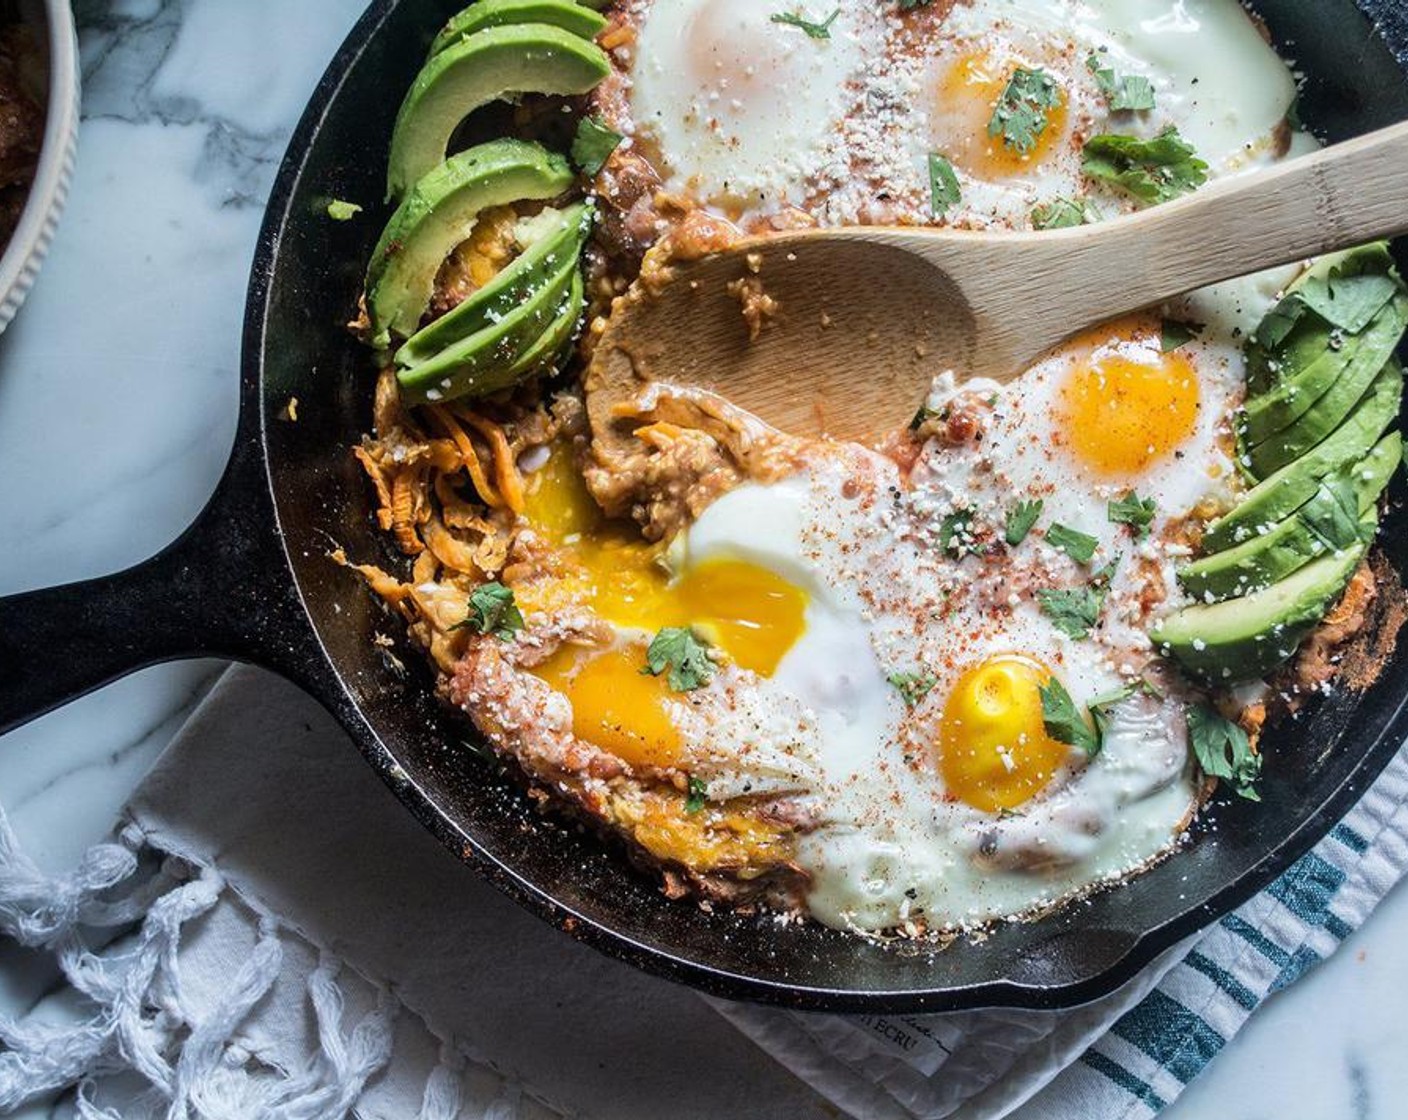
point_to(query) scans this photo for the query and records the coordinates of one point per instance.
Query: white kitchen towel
(273, 935)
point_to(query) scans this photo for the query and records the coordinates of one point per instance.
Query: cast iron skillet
(252, 580)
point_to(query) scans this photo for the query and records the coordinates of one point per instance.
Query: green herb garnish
(1151, 170)
(492, 610)
(1079, 546)
(944, 190)
(593, 144)
(813, 29)
(913, 686)
(341, 211)
(687, 658)
(1127, 93)
(1074, 612)
(1134, 511)
(956, 533)
(1020, 520)
(1021, 114)
(1063, 720)
(1223, 750)
(1062, 213)
(1176, 335)
(698, 796)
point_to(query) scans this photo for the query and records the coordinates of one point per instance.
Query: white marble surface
(117, 409)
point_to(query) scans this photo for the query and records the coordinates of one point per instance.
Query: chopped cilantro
(1177, 335)
(1102, 577)
(1348, 302)
(1063, 720)
(813, 29)
(593, 144)
(1020, 116)
(1074, 612)
(1079, 546)
(924, 415)
(1127, 93)
(687, 658)
(1223, 750)
(341, 211)
(1020, 520)
(956, 533)
(1062, 213)
(910, 5)
(1151, 170)
(698, 796)
(944, 190)
(492, 610)
(1134, 511)
(913, 686)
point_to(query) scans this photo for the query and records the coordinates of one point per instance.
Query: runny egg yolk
(968, 93)
(751, 615)
(994, 752)
(614, 705)
(1126, 404)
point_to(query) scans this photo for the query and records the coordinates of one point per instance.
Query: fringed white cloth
(116, 927)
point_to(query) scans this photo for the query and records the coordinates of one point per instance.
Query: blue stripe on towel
(1295, 967)
(1256, 939)
(1170, 1034)
(1350, 839)
(1234, 988)
(1124, 1079)
(1306, 889)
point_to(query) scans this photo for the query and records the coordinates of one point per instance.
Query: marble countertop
(118, 395)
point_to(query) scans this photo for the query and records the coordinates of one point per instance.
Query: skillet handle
(222, 589)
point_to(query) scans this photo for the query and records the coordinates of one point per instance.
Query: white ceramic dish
(19, 264)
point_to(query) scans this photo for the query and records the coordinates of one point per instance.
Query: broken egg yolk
(994, 751)
(747, 613)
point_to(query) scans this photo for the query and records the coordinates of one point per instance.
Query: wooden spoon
(867, 316)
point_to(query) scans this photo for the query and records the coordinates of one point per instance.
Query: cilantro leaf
(1177, 335)
(956, 533)
(1020, 116)
(813, 29)
(1079, 546)
(341, 211)
(1223, 750)
(1134, 511)
(698, 796)
(913, 686)
(492, 610)
(687, 658)
(593, 144)
(1063, 720)
(1102, 577)
(1348, 302)
(1074, 612)
(910, 5)
(1063, 213)
(944, 190)
(1020, 520)
(1129, 93)
(1151, 170)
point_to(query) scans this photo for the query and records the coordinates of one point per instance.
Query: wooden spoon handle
(1333, 199)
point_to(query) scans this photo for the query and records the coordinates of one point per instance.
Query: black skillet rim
(326, 681)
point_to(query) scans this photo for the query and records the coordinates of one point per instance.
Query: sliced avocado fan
(566, 14)
(440, 213)
(559, 235)
(489, 360)
(489, 65)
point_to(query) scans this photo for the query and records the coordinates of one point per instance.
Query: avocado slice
(1281, 494)
(482, 362)
(566, 14)
(440, 213)
(490, 65)
(1316, 394)
(1323, 418)
(1328, 521)
(547, 354)
(1241, 639)
(1296, 331)
(559, 238)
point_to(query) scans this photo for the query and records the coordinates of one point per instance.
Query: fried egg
(749, 114)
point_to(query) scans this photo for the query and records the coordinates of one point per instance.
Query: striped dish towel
(1129, 1055)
